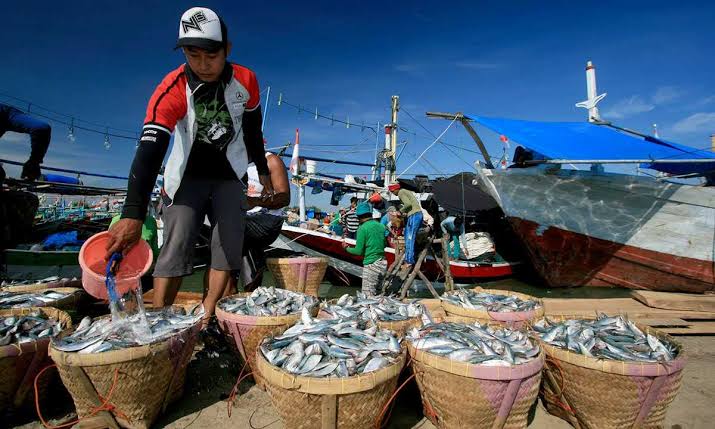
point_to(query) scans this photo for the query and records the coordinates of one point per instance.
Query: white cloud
(477, 65)
(702, 122)
(408, 68)
(629, 107)
(666, 94)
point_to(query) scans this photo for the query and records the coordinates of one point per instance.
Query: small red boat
(318, 243)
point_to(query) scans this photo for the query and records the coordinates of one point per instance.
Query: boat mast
(591, 91)
(391, 142)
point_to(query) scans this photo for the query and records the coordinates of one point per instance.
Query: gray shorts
(226, 199)
(373, 275)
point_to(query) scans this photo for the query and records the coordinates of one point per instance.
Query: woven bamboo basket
(20, 363)
(595, 393)
(300, 274)
(245, 333)
(515, 319)
(148, 378)
(464, 395)
(68, 303)
(35, 287)
(304, 402)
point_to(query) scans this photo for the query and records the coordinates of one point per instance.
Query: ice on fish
(475, 343)
(104, 334)
(479, 300)
(29, 299)
(332, 348)
(268, 301)
(26, 328)
(615, 338)
(382, 308)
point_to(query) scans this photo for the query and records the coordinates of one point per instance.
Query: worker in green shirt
(371, 245)
(411, 209)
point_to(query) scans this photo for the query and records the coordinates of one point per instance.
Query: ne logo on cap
(194, 23)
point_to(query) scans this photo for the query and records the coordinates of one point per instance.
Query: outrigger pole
(465, 121)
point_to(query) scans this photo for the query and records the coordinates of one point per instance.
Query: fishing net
(595, 393)
(307, 402)
(20, 363)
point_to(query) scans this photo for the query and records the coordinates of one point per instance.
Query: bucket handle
(112, 267)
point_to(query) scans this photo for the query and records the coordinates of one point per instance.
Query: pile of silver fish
(365, 307)
(476, 300)
(27, 328)
(475, 344)
(268, 301)
(331, 347)
(50, 282)
(103, 334)
(30, 299)
(605, 337)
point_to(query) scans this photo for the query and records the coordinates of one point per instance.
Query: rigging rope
(428, 147)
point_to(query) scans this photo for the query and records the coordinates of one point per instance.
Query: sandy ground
(209, 381)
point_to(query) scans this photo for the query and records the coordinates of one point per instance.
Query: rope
(556, 399)
(234, 390)
(390, 402)
(104, 406)
(428, 147)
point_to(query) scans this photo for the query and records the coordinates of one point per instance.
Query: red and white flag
(294, 161)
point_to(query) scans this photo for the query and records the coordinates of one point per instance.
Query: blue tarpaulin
(586, 141)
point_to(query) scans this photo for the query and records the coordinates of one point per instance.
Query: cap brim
(198, 42)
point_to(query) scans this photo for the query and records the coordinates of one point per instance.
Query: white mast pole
(591, 93)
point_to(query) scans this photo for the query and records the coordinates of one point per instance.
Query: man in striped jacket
(213, 109)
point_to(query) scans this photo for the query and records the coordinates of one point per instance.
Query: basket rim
(478, 371)
(627, 368)
(247, 320)
(112, 357)
(15, 349)
(502, 316)
(297, 260)
(329, 385)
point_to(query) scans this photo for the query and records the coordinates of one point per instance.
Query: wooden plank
(612, 306)
(658, 323)
(696, 328)
(329, 412)
(675, 301)
(106, 417)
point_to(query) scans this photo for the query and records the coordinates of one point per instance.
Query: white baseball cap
(203, 28)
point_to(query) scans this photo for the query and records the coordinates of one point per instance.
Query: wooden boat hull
(582, 228)
(329, 245)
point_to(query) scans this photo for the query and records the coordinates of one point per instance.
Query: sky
(100, 62)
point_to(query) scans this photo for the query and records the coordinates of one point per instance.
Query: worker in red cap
(412, 210)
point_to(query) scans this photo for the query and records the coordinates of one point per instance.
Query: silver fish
(474, 343)
(383, 308)
(268, 301)
(27, 328)
(331, 347)
(29, 299)
(477, 300)
(606, 337)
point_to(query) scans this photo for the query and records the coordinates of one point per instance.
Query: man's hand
(123, 235)
(344, 244)
(268, 191)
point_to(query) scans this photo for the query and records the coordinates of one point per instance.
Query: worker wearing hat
(412, 209)
(371, 245)
(213, 109)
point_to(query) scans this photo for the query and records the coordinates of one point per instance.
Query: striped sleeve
(168, 103)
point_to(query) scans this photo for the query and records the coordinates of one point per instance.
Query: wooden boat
(600, 229)
(321, 244)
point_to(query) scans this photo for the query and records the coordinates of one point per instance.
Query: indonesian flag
(294, 162)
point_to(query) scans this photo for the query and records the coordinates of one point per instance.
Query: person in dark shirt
(12, 119)
(213, 108)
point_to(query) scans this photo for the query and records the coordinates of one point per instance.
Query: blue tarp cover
(583, 140)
